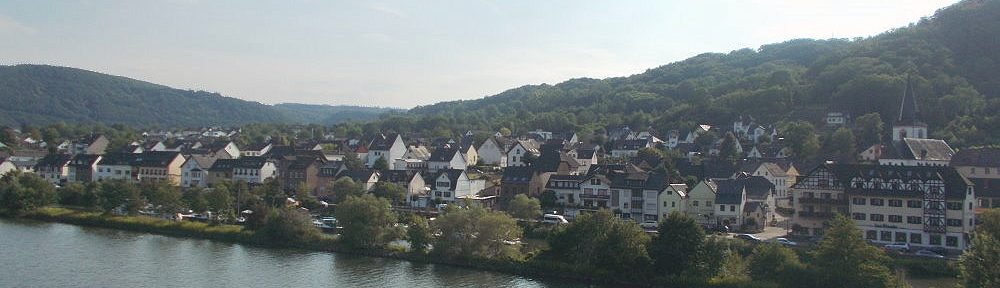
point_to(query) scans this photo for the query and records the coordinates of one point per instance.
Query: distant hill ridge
(43, 94)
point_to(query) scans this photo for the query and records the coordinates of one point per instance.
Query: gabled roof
(54, 160)
(564, 178)
(955, 183)
(258, 146)
(530, 145)
(84, 160)
(118, 159)
(443, 154)
(728, 191)
(246, 162)
(330, 169)
(358, 176)
(585, 153)
(203, 161)
(383, 142)
(300, 163)
(156, 158)
(517, 175)
(757, 187)
(927, 149)
(452, 174)
(398, 176)
(550, 160)
(977, 157)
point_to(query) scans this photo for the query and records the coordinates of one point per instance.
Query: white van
(554, 219)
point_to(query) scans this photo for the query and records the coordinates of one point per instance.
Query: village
(912, 194)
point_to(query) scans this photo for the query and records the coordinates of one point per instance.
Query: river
(40, 254)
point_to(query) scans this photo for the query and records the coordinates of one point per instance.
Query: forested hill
(953, 59)
(40, 94)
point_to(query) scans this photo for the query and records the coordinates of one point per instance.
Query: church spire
(908, 107)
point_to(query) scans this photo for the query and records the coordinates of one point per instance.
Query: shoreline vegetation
(920, 269)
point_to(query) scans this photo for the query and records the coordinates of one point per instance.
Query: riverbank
(236, 234)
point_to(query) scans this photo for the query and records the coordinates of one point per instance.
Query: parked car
(899, 246)
(649, 224)
(748, 237)
(554, 219)
(786, 242)
(928, 254)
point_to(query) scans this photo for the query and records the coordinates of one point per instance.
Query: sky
(409, 53)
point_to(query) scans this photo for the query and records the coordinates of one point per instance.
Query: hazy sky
(408, 53)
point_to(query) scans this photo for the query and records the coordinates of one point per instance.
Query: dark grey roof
(517, 175)
(908, 107)
(986, 187)
(155, 158)
(575, 179)
(443, 154)
(452, 175)
(978, 157)
(927, 149)
(757, 187)
(728, 191)
(383, 142)
(358, 176)
(84, 160)
(585, 153)
(398, 176)
(118, 159)
(955, 183)
(54, 160)
(246, 162)
(550, 160)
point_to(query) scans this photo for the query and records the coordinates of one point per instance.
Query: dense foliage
(950, 58)
(40, 94)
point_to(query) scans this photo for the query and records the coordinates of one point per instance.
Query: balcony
(815, 214)
(826, 201)
(595, 196)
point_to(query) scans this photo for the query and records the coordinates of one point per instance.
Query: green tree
(548, 199)
(677, 248)
(870, 128)
(23, 192)
(352, 162)
(601, 241)
(304, 195)
(989, 222)
(164, 197)
(802, 139)
(523, 207)
(977, 263)
(844, 259)
(419, 233)
(395, 193)
(115, 194)
(72, 194)
(287, 225)
(728, 149)
(195, 200)
(842, 145)
(367, 221)
(476, 233)
(381, 164)
(774, 263)
(345, 187)
(219, 199)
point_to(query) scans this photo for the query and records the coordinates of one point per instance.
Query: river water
(38, 254)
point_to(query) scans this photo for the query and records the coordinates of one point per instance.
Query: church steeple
(908, 107)
(907, 125)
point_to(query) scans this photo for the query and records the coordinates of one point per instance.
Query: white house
(117, 166)
(389, 147)
(520, 149)
(455, 183)
(701, 201)
(492, 153)
(195, 170)
(446, 158)
(673, 198)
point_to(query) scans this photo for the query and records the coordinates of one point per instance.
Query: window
(694, 203)
(858, 216)
(886, 236)
(900, 237)
(673, 204)
(986, 170)
(951, 241)
(858, 201)
(722, 207)
(896, 218)
(877, 202)
(877, 217)
(871, 235)
(824, 195)
(955, 222)
(732, 208)
(954, 205)
(709, 204)
(935, 239)
(914, 204)
(916, 238)
(914, 219)
(895, 203)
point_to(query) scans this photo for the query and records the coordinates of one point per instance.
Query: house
(778, 176)
(251, 170)
(194, 171)
(300, 174)
(366, 178)
(925, 206)
(93, 144)
(259, 149)
(672, 198)
(452, 184)
(520, 150)
(700, 202)
(83, 168)
(416, 189)
(982, 167)
(730, 198)
(566, 188)
(835, 119)
(446, 158)
(389, 147)
(520, 180)
(54, 168)
(629, 148)
(25, 160)
(117, 166)
(918, 152)
(555, 161)
(492, 152)
(468, 151)
(742, 125)
(222, 150)
(585, 158)
(6, 165)
(326, 175)
(873, 153)
(159, 166)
